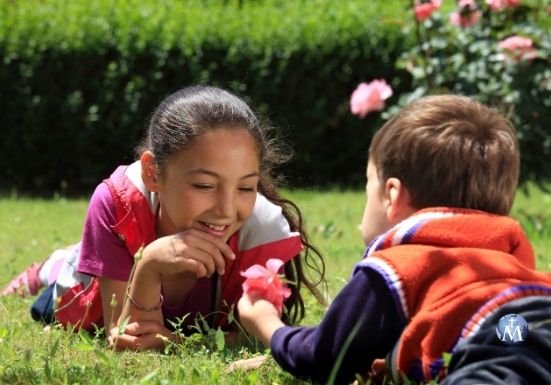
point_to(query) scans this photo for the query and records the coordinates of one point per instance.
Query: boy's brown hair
(450, 151)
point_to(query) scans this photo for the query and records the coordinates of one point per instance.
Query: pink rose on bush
(467, 15)
(424, 9)
(264, 282)
(519, 48)
(499, 5)
(369, 97)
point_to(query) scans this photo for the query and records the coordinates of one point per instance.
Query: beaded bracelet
(143, 308)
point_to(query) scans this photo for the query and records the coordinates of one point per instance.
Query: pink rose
(467, 5)
(264, 282)
(499, 5)
(467, 15)
(424, 10)
(369, 97)
(519, 48)
(464, 21)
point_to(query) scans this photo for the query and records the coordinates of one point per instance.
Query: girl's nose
(225, 204)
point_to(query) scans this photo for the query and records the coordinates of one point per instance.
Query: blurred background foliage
(79, 80)
(500, 54)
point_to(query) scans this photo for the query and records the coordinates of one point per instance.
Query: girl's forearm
(144, 300)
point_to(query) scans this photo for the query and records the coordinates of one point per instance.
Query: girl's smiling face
(210, 186)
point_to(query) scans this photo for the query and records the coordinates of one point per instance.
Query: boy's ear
(398, 200)
(149, 171)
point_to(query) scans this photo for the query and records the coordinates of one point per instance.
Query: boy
(443, 264)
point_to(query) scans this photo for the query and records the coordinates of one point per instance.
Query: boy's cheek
(364, 230)
(371, 227)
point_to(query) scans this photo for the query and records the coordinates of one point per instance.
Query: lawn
(29, 354)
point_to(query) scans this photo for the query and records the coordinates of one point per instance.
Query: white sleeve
(265, 225)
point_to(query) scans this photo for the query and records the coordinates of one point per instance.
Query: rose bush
(497, 51)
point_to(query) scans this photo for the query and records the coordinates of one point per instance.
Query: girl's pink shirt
(103, 254)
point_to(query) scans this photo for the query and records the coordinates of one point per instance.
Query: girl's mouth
(217, 230)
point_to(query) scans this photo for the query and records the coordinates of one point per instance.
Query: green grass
(29, 354)
(532, 209)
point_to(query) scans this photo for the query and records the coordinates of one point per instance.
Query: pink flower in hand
(264, 282)
(369, 97)
(424, 10)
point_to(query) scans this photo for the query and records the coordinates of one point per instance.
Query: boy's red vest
(447, 269)
(264, 235)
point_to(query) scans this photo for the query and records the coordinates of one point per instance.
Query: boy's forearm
(311, 352)
(264, 328)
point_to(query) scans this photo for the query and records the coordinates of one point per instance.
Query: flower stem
(425, 51)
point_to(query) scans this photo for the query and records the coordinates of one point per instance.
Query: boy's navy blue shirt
(311, 352)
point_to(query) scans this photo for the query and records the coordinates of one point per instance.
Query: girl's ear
(398, 200)
(149, 171)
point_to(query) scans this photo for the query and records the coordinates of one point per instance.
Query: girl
(196, 209)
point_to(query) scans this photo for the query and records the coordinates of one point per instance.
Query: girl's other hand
(141, 335)
(188, 251)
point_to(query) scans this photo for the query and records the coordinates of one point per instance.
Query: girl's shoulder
(101, 203)
(266, 224)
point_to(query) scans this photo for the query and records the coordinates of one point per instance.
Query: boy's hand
(259, 317)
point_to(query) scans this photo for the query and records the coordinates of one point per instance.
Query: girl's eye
(202, 186)
(247, 189)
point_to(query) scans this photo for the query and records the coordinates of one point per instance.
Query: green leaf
(219, 338)
(101, 356)
(148, 377)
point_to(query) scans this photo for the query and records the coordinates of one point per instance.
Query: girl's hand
(259, 317)
(188, 251)
(141, 335)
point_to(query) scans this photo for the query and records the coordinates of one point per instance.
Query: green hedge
(80, 78)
